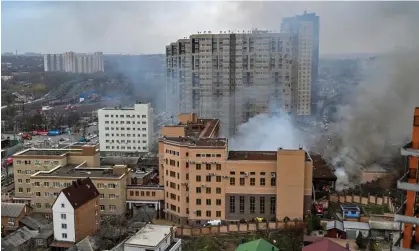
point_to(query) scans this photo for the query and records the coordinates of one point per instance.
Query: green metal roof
(257, 245)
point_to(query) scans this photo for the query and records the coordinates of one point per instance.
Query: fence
(370, 199)
(186, 231)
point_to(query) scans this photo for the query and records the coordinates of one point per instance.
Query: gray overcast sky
(146, 27)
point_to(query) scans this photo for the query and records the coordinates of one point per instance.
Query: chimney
(172, 235)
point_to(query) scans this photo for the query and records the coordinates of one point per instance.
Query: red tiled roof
(80, 192)
(324, 245)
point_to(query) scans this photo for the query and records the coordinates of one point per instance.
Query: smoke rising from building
(377, 120)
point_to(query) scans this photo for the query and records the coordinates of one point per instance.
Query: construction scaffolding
(408, 212)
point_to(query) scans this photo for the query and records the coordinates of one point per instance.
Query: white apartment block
(74, 62)
(231, 76)
(126, 130)
(63, 219)
(53, 62)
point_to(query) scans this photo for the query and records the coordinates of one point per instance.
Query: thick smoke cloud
(377, 120)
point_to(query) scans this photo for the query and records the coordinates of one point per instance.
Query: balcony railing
(177, 244)
(403, 184)
(407, 150)
(400, 217)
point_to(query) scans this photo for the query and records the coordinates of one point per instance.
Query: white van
(213, 223)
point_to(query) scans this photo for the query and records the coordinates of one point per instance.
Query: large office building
(203, 180)
(126, 130)
(306, 27)
(74, 62)
(235, 76)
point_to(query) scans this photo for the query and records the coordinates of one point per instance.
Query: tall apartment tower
(53, 62)
(74, 62)
(98, 62)
(231, 76)
(306, 27)
(70, 62)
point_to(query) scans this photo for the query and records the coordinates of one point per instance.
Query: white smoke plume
(266, 133)
(378, 118)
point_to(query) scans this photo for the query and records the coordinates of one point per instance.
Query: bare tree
(112, 230)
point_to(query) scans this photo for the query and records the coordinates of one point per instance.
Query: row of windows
(262, 181)
(37, 162)
(123, 141)
(123, 128)
(252, 205)
(123, 135)
(137, 193)
(208, 202)
(208, 190)
(123, 116)
(127, 122)
(208, 213)
(128, 147)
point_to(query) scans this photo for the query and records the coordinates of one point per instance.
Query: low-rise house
(75, 213)
(257, 245)
(11, 213)
(34, 222)
(87, 244)
(20, 239)
(45, 237)
(352, 228)
(335, 230)
(154, 238)
(383, 227)
(324, 245)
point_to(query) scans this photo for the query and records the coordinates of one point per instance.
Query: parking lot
(44, 141)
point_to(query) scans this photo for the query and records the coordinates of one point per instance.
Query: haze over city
(146, 27)
(208, 126)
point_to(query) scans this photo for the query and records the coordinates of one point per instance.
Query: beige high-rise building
(306, 28)
(231, 76)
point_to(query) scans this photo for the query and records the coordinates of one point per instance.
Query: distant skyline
(147, 27)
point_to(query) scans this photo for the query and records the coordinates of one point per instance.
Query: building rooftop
(80, 192)
(195, 142)
(34, 221)
(77, 171)
(48, 152)
(257, 245)
(17, 238)
(11, 209)
(252, 155)
(356, 225)
(321, 170)
(150, 235)
(324, 245)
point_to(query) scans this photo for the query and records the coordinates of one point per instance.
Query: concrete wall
(370, 199)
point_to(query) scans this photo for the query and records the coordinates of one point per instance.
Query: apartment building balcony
(400, 217)
(407, 150)
(403, 184)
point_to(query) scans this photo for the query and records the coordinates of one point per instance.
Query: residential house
(154, 238)
(19, 240)
(87, 244)
(11, 213)
(257, 245)
(43, 226)
(383, 227)
(335, 230)
(75, 213)
(45, 237)
(324, 245)
(352, 229)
